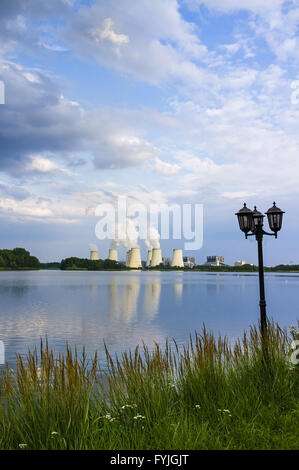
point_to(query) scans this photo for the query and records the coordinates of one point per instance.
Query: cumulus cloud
(165, 168)
(148, 39)
(20, 22)
(38, 120)
(107, 33)
(16, 192)
(231, 130)
(41, 164)
(256, 6)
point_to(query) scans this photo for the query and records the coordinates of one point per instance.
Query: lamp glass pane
(245, 222)
(258, 220)
(275, 221)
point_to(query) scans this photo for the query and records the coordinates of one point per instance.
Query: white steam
(127, 235)
(92, 247)
(153, 238)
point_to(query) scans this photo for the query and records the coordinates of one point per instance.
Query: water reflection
(85, 308)
(178, 290)
(152, 300)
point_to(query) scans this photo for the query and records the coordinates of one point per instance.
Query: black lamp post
(251, 223)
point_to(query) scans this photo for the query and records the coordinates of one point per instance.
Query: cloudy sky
(162, 101)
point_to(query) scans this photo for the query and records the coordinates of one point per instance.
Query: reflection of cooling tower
(130, 302)
(114, 299)
(177, 259)
(135, 258)
(178, 290)
(149, 258)
(152, 300)
(113, 255)
(94, 255)
(156, 257)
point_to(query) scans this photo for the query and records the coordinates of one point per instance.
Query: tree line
(90, 265)
(18, 258)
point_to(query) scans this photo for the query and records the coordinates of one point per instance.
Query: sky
(160, 101)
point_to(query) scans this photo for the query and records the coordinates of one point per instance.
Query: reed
(207, 395)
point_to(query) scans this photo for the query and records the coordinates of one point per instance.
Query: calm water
(124, 308)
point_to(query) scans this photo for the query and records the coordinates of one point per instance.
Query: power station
(156, 257)
(177, 259)
(94, 255)
(149, 258)
(113, 256)
(133, 258)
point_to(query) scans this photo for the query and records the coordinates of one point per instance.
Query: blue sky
(162, 101)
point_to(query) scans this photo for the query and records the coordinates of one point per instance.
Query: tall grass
(209, 395)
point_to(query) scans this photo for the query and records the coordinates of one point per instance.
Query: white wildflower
(22, 446)
(127, 406)
(225, 412)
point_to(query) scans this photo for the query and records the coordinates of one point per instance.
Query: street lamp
(253, 221)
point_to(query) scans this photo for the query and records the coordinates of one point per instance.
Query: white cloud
(42, 165)
(256, 6)
(31, 77)
(38, 120)
(156, 43)
(234, 137)
(165, 168)
(107, 33)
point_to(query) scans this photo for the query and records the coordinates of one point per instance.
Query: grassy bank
(210, 396)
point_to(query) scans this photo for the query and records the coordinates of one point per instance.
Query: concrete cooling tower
(156, 257)
(94, 255)
(113, 255)
(177, 259)
(149, 258)
(135, 258)
(128, 258)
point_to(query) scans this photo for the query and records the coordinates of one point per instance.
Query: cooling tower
(94, 255)
(177, 259)
(156, 257)
(135, 258)
(128, 258)
(149, 258)
(113, 255)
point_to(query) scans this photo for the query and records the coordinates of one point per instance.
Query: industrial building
(156, 257)
(215, 261)
(149, 258)
(177, 259)
(240, 263)
(189, 262)
(94, 255)
(113, 256)
(134, 258)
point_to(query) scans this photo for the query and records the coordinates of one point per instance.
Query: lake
(125, 308)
